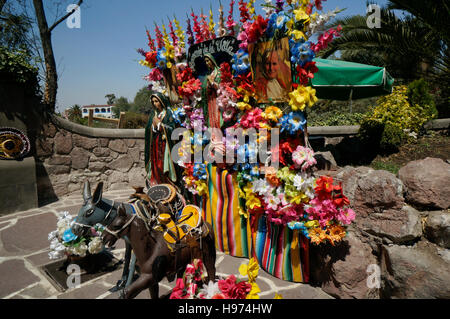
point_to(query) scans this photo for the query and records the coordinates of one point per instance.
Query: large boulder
(417, 271)
(342, 270)
(437, 228)
(377, 198)
(426, 183)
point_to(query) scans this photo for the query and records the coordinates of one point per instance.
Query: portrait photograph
(271, 70)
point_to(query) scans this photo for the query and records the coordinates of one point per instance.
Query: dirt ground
(434, 145)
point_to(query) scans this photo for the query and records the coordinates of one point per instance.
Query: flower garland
(63, 242)
(193, 284)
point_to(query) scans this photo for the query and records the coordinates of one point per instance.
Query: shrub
(391, 138)
(134, 120)
(419, 98)
(335, 119)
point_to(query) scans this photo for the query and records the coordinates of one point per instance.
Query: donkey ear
(97, 194)
(86, 191)
(121, 211)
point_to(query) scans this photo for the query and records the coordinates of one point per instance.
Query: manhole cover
(91, 266)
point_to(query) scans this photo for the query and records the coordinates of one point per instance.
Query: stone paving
(24, 248)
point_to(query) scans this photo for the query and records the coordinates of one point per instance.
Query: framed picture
(271, 70)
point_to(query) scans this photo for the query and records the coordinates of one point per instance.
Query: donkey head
(92, 211)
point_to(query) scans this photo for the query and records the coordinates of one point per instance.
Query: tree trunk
(51, 77)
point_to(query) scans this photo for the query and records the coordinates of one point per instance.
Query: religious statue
(159, 166)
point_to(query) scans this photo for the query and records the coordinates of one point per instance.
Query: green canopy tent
(342, 80)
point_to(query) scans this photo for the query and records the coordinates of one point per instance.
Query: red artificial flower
(151, 43)
(179, 291)
(197, 29)
(244, 82)
(339, 198)
(243, 11)
(324, 187)
(189, 88)
(225, 73)
(230, 21)
(150, 57)
(257, 29)
(306, 72)
(159, 38)
(185, 75)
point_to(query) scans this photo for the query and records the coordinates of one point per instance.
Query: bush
(335, 119)
(419, 98)
(392, 138)
(132, 120)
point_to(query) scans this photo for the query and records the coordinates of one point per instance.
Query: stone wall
(67, 154)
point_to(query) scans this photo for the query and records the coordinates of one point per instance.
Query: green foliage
(121, 105)
(133, 120)
(142, 103)
(335, 119)
(387, 166)
(420, 98)
(392, 138)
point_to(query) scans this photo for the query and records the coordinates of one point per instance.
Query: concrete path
(24, 249)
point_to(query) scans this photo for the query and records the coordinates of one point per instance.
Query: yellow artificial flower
(300, 14)
(243, 212)
(317, 235)
(252, 202)
(298, 35)
(201, 187)
(302, 97)
(272, 113)
(145, 63)
(299, 198)
(248, 189)
(253, 294)
(180, 33)
(243, 106)
(278, 296)
(251, 8)
(250, 270)
(312, 223)
(169, 65)
(211, 22)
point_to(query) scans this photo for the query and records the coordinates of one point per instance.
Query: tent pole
(350, 99)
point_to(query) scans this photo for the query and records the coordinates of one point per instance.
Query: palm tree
(75, 113)
(405, 46)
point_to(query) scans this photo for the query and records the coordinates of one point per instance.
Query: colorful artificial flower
(302, 97)
(230, 22)
(241, 62)
(243, 12)
(292, 122)
(272, 113)
(189, 33)
(303, 158)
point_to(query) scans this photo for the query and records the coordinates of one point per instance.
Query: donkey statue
(154, 256)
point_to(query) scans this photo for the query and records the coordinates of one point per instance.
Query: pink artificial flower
(179, 291)
(155, 75)
(303, 157)
(346, 216)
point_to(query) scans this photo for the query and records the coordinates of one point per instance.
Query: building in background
(99, 110)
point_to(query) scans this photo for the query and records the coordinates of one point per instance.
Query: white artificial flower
(261, 187)
(52, 235)
(95, 246)
(210, 290)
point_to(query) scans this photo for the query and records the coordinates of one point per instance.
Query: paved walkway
(24, 249)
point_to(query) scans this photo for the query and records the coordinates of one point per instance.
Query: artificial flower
(302, 97)
(272, 113)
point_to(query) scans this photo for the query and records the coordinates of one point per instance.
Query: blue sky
(100, 57)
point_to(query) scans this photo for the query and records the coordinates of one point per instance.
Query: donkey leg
(144, 281)
(209, 257)
(154, 291)
(123, 281)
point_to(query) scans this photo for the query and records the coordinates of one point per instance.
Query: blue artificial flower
(161, 61)
(68, 236)
(241, 62)
(292, 122)
(252, 151)
(270, 30)
(179, 115)
(254, 171)
(301, 53)
(242, 153)
(200, 171)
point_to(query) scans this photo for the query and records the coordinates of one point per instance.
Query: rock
(130, 142)
(44, 147)
(101, 151)
(342, 270)
(135, 154)
(426, 183)
(136, 176)
(393, 225)
(80, 158)
(49, 129)
(84, 142)
(437, 228)
(57, 169)
(367, 188)
(118, 146)
(63, 143)
(97, 166)
(123, 163)
(414, 272)
(60, 160)
(325, 161)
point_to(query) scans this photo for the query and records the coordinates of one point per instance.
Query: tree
(121, 105)
(142, 103)
(75, 113)
(51, 76)
(405, 46)
(111, 98)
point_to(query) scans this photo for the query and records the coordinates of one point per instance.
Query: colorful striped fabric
(279, 250)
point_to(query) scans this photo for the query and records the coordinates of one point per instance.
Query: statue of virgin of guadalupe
(160, 169)
(213, 116)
